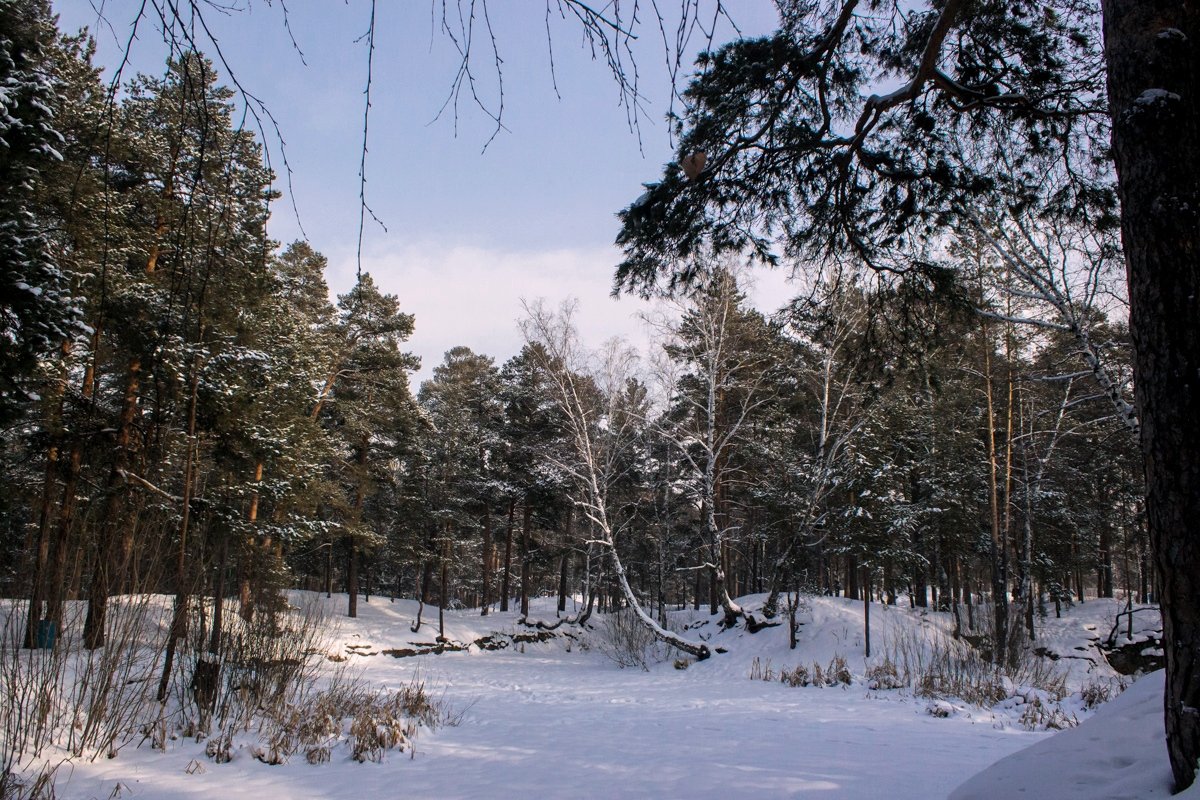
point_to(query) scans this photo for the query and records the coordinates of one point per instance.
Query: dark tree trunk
(111, 557)
(506, 580)
(426, 580)
(329, 567)
(866, 582)
(1154, 97)
(565, 567)
(955, 592)
(39, 584)
(445, 583)
(57, 588)
(218, 594)
(1104, 567)
(352, 578)
(563, 574)
(179, 618)
(486, 597)
(526, 520)
(969, 600)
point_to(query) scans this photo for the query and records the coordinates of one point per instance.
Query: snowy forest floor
(559, 718)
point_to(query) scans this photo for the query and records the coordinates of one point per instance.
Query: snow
(1151, 96)
(560, 719)
(1117, 754)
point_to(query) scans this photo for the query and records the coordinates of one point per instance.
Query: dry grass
(835, 673)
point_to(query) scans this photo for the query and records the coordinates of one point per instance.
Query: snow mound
(1117, 754)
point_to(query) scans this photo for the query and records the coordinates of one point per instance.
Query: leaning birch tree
(601, 431)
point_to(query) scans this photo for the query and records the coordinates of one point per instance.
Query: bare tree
(720, 346)
(601, 429)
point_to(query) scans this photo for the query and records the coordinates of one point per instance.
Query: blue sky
(470, 231)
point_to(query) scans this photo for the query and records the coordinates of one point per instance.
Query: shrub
(795, 677)
(884, 675)
(627, 642)
(1097, 692)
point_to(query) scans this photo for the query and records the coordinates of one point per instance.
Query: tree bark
(526, 519)
(486, 593)
(445, 592)
(564, 568)
(352, 578)
(1154, 99)
(506, 580)
(110, 559)
(179, 618)
(997, 545)
(866, 598)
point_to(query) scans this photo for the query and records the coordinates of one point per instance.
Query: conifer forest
(238, 532)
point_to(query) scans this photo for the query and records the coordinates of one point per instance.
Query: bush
(368, 722)
(795, 677)
(937, 666)
(627, 642)
(1097, 692)
(884, 675)
(834, 673)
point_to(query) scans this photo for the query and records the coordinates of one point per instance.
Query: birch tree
(601, 429)
(724, 352)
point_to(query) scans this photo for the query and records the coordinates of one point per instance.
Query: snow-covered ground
(561, 719)
(1117, 754)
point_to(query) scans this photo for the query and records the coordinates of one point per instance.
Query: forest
(185, 411)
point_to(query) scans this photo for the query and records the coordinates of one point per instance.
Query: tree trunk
(506, 580)
(486, 592)
(214, 642)
(955, 592)
(111, 560)
(866, 582)
(250, 563)
(352, 578)
(445, 581)
(997, 545)
(179, 618)
(564, 568)
(526, 519)
(1153, 80)
(40, 589)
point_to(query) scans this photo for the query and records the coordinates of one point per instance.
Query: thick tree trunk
(1154, 97)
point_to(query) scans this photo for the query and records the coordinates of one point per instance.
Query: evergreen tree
(37, 311)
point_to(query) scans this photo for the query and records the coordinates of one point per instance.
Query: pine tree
(37, 311)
